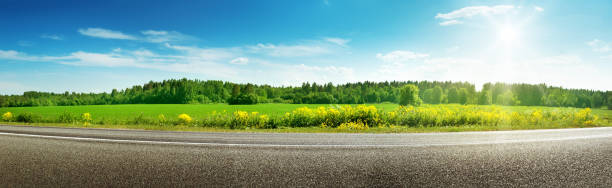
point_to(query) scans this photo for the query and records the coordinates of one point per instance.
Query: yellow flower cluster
(184, 119)
(585, 117)
(86, 117)
(8, 116)
(453, 115)
(353, 126)
(332, 116)
(243, 119)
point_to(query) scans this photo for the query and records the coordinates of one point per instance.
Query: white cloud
(289, 51)
(240, 61)
(98, 59)
(559, 60)
(14, 88)
(52, 37)
(159, 36)
(140, 53)
(154, 32)
(281, 74)
(565, 70)
(537, 8)
(209, 54)
(338, 41)
(452, 49)
(453, 17)
(400, 56)
(154, 36)
(468, 12)
(9, 54)
(450, 22)
(105, 33)
(599, 46)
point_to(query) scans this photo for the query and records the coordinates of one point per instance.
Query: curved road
(69, 157)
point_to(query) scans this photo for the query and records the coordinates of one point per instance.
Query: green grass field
(119, 115)
(197, 111)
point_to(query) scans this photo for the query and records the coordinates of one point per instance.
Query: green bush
(243, 99)
(27, 117)
(410, 95)
(141, 120)
(66, 117)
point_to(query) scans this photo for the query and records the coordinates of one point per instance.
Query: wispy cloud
(160, 36)
(289, 50)
(338, 41)
(400, 56)
(240, 61)
(454, 17)
(450, 22)
(153, 36)
(537, 8)
(11, 54)
(267, 62)
(565, 69)
(52, 37)
(106, 34)
(599, 46)
(208, 54)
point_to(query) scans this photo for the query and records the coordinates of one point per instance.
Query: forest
(186, 91)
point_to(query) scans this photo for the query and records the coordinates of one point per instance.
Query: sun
(508, 35)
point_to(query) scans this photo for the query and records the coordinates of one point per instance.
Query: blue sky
(95, 46)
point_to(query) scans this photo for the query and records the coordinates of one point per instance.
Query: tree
(484, 98)
(453, 95)
(236, 90)
(463, 96)
(507, 98)
(428, 96)
(596, 100)
(609, 101)
(243, 99)
(410, 95)
(436, 95)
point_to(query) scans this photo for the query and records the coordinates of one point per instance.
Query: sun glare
(508, 35)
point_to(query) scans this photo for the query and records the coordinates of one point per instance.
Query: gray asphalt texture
(541, 158)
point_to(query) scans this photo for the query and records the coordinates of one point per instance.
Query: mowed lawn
(130, 111)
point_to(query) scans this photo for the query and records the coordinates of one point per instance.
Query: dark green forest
(185, 91)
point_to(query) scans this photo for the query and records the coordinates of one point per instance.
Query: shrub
(240, 120)
(243, 99)
(216, 119)
(27, 117)
(86, 118)
(8, 116)
(184, 119)
(66, 117)
(140, 119)
(353, 126)
(410, 95)
(161, 119)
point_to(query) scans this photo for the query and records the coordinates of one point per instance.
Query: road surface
(69, 157)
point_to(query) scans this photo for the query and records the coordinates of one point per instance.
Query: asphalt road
(66, 157)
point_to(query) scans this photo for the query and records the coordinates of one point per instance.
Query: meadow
(382, 117)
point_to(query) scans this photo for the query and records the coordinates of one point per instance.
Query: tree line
(185, 91)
